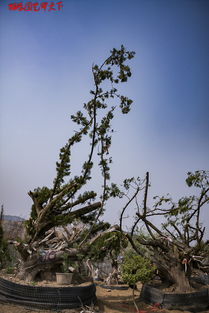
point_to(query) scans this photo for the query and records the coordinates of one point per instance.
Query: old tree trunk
(42, 257)
(174, 270)
(45, 253)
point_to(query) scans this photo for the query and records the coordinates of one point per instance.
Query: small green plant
(65, 263)
(137, 268)
(10, 270)
(33, 283)
(4, 252)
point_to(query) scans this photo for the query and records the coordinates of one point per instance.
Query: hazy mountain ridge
(13, 218)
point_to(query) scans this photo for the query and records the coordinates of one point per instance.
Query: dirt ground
(114, 301)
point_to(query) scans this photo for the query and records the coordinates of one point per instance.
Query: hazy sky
(45, 76)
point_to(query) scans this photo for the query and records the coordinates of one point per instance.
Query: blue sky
(45, 76)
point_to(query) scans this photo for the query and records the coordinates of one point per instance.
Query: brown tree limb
(146, 194)
(130, 239)
(177, 230)
(127, 204)
(38, 207)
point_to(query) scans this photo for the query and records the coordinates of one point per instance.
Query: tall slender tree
(68, 199)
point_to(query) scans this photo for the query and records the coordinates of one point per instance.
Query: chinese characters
(36, 6)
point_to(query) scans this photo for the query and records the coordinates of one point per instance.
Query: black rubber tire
(151, 295)
(47, 297)
(203, 279)
(190, 301)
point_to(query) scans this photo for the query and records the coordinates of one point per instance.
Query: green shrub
(137, 268)
(5, 258)
(10, 270)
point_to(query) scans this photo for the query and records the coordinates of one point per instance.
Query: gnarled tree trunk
(179, 278)
(36, 264)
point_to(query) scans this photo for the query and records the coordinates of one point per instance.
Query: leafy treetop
(56, 206)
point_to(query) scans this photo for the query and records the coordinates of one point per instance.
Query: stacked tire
(194, 301)
(47, 297)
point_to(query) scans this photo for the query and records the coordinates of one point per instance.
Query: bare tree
(178, 248)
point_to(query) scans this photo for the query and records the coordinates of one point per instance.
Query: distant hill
(13, 218)
(13, 227)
